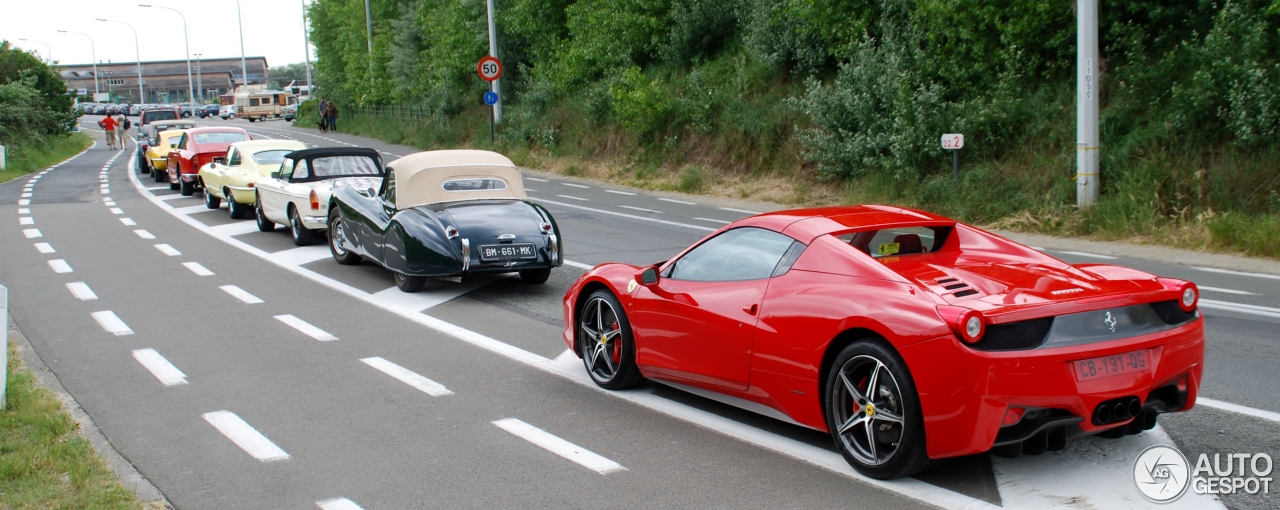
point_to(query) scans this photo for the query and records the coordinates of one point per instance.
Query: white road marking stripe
(714, 220)
(111, 323)
(198, 269)
(578, 265)
(191, 209)
(1240, 308)
(24, 202)
(169, 197)
(144, 234)
(1238, 409)
(81, 291)
(128, 222)
(674, 201)
(25, 195)
(24, 210)
(625, 215)
(641, 209)
(572, 185)
(109, 203)
(407, 376)
(153, 188)
(32, 233)
(306, 328)
(26, 220)
(531, 190)
(302, 255)
(59, 266)
(240, 294)
(1239, 273)
(743, 211)
(1225, 291)
(108, 199)
(535, 179)
(168, 374)
(616, 192)
(1089, 255)
(117, 210)
(168, 250)
(338, 503)
(45, 248)
(553, 444)
(245, 436)
(570, 197)
(1037, 248)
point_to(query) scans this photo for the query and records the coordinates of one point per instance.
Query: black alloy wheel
(408, 283)
(212, 202)
(873, 412)
(264, 224)
(337, 242)
(605, 342)
(301, 235)
(236, 209)
(535, 276)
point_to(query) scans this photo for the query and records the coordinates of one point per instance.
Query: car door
(698, 321)
(220, 171)
(271, 192)
(378, 218)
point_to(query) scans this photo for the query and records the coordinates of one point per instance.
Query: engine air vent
(947, 280)
(955, 286)
(964, 293)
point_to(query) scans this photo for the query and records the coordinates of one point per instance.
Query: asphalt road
(267, 415)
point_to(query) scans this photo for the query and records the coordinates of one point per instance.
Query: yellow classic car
(233, 178)
(158, 153)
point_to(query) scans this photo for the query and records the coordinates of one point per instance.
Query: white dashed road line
(128, 222)
(32, 233)
(25, 201)
(306, 328)
(59, 266)
(245, 436)
(407, 376)
(641, 209)
(168, 374)
(1239, 273)
(1240, 308)
(535, 179)
(674, 201)
(616, 192)
(144, 234)
(26, 220)
(168, 250)
(572, 185)
(198, 269)
(1238, 409)
(240, 294)
(553, 444)
(24, 210)
(714, 220)
(45, 248)
(111, 323)
(571, 197)
(1225, 291)
(117, 210)
(338, 504)
(81, 291)
(578, 265)
(625, 215)
(1089, 255)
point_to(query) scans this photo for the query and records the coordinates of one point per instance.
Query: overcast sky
(272, 28)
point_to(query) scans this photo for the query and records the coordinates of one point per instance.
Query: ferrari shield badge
(631, 286)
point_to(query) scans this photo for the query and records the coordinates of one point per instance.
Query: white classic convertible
(298, 194)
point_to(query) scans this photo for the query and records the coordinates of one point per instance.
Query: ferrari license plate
(1107, 366)
(524, 251)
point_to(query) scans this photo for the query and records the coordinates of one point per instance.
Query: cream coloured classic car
(234, 177)
(298, 193)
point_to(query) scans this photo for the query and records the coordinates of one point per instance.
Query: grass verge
(44, 462)
(29, 159)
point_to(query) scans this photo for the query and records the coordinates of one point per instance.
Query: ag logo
(1110, 322)
(1161, 474)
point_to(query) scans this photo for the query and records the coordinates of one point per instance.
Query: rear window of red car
(897, 241)
(220, 137)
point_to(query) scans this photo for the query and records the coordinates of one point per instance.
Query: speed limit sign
(489, 68)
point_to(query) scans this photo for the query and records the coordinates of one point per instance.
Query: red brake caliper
(617, 346)
(856, 406)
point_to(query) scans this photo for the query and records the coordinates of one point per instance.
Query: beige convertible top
(421, 178)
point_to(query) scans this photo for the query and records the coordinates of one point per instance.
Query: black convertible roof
(334, 151)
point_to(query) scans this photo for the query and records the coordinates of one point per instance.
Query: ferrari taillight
(1188, 293)
(315, 201)
(967, 323)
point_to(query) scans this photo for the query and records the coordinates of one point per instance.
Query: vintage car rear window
(153, 116)
(271, 157)
(475, 184)
(339, 166)
(892, 242)
(220, 137)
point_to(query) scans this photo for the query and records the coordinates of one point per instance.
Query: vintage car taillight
(967, 323)
(315, 201)
(451, 231)
(546, 228)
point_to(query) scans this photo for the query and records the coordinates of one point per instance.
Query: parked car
(227, 111)
(198, 147)
(291, 112)
(134, 109)
(158, 153)
(209, 110)
(188, 109)
(298, 193)
(148, 136)
(233, 179)
(908, 336)
(450, 213)
(159, 113)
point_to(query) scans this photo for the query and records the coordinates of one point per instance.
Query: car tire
(302, 236)
(535, 275)
(863, 429)
(143, 167)
(408, 283)
(187, 188)
(610, 364)
(337, 247)
(174, 184)
(232, 116)
(210, 201)
(237, 210)
(264, 224)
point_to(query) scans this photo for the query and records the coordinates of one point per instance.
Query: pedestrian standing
(332, 115)
(108, 124)
(122, 129)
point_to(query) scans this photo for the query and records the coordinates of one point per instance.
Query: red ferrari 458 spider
(908, 336)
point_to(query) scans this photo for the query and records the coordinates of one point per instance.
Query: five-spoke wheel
(604, 340)
(874, 413)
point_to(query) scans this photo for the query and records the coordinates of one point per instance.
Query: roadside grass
(44, 462)
(27, 159)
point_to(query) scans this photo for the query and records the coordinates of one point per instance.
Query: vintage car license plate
(507, 252)
(1106, 366)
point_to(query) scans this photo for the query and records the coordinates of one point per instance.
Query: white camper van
(260, 105)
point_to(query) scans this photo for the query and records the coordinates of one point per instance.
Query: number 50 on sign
(953, 141)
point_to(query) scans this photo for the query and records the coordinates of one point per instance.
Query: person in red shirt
(109, 124)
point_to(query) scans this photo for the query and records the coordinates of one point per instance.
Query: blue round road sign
(490, 98)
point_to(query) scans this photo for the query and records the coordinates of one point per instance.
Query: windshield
(339, 166)
(898, 241)
(221, 137)
(271, 157)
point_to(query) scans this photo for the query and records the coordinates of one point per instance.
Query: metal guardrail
(388, 112)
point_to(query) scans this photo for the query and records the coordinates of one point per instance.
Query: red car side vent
(964, 293)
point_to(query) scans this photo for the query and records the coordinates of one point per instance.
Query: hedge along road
(348, 417)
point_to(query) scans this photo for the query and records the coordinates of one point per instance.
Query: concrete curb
(129, 476)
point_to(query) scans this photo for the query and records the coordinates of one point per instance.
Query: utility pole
(306, 45)
(244, 68)
(199, 82)
(368, 27)
(142, 96)
(495, 86)
(93, 51)
(1087, 178)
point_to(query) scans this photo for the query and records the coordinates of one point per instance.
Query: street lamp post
(93, 51)
(199, 81)
(244, 68)
(306, 45)
(142, 97)
(191, 88)
(48, 56)
(368, 27)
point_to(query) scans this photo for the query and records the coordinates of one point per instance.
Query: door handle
(751, 310)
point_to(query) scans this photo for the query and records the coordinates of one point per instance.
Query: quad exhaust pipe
(1117, 410)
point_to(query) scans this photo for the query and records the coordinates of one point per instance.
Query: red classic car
(908, 336)
(198, 147)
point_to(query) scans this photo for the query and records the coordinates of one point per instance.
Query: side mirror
(647, 276)
(275, 175)
(370, 192)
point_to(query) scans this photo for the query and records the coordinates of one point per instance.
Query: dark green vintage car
(445, 214)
